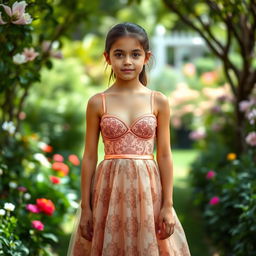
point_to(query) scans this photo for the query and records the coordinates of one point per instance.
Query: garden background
(51, 63)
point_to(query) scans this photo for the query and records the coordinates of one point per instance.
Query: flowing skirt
(126, 198)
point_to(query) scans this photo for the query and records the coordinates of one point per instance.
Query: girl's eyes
(134, 54)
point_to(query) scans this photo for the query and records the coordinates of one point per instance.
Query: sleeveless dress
(126, 195)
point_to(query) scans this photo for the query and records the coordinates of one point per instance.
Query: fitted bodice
(120, 138)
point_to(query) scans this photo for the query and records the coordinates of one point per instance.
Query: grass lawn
(188, 215)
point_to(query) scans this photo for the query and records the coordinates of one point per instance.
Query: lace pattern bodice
(120, 138)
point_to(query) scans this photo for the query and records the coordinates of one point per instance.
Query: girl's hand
(86, 224)
(166, 223)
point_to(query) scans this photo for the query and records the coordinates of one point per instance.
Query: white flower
(27, 196)
(251, 116)
(13, 184)
(9, 126)
(42, 144)
(40, 177)
(19, 58)
(1, 171)
(72, 196)
(27, 18)
(2, 212)
(31, 165)
(74, 204)
(9, 206)
(42, 159)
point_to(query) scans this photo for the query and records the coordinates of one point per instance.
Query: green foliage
(56, 106)
(230, 222)
(10, 241)
(26, 164)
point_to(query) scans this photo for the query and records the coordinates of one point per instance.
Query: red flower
(47, 148)
(74, 159)
(55, 180)
(45, 205)
(61, 167)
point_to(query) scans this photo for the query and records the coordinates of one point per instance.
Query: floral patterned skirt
(126, 198)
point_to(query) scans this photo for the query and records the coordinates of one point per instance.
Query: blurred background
(51, 63)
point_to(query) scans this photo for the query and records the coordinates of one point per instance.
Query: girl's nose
(127, 60)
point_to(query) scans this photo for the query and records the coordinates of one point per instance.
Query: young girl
(126, 206)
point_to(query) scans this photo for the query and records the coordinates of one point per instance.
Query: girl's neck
(124, 85)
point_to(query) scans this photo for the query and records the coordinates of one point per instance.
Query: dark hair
(128, 29)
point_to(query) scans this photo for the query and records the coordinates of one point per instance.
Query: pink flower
(251, 116)
(74, 159)
(210, 174)
(58, 158)
(214, 200)
(216, 109)
(216, 127)
(197, 135)
(245, 105)
(251, 139)
(17, 13)
(30, 54)
(189, 69)
(209, 78)
(57, 54)
(33, 208)
(22, 189)
(22, 115)
(47, 47)
(37, 224)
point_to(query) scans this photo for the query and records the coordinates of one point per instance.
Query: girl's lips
(127, 70)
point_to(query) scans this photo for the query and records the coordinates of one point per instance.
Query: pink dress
(126, 195)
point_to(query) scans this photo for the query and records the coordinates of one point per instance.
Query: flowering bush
(10, 243)
(39, 195)
(224, 183)
(227, 199)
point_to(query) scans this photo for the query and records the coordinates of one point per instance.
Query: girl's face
(127, 58)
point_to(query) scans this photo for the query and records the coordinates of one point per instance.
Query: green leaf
(51, 237)
(23, 80)
(9, 46)
(48, 64)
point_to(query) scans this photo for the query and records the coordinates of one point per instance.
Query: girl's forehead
(126, 43)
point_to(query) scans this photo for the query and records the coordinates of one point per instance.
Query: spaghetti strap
(152, 102)
(103, 102)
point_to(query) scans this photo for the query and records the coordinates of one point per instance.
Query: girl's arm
(164, 155)
(90, 156)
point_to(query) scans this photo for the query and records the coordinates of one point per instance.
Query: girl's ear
(147, 57)
(107, 57)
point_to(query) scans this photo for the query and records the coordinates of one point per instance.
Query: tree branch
(228, 65)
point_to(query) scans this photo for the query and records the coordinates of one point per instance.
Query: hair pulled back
(133, 30)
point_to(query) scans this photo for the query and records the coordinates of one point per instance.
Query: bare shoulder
(161, 101)
(95, 103)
